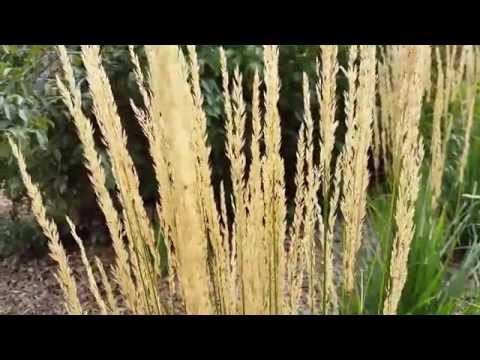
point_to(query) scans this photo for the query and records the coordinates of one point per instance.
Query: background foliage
(32, 111)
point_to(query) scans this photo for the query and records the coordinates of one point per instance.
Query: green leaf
(41, 138)
(6, 109)
(24, 115)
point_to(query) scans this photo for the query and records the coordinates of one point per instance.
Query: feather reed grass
(72, 98)
(360, 109)
(326, 96)
(410, 159)
(64, 274)
(471, 71)
(250, 260)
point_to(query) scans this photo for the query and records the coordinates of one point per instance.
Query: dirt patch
(28, 285)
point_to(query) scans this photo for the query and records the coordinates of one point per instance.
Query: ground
(28, 285)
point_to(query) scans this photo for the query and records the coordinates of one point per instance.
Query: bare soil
(28, 285)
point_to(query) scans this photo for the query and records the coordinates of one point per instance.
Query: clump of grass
(410, 160)
(360, 109)
(251, 260)
(57, 252)
(122, 271)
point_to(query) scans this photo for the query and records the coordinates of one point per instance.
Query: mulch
(28, 285)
